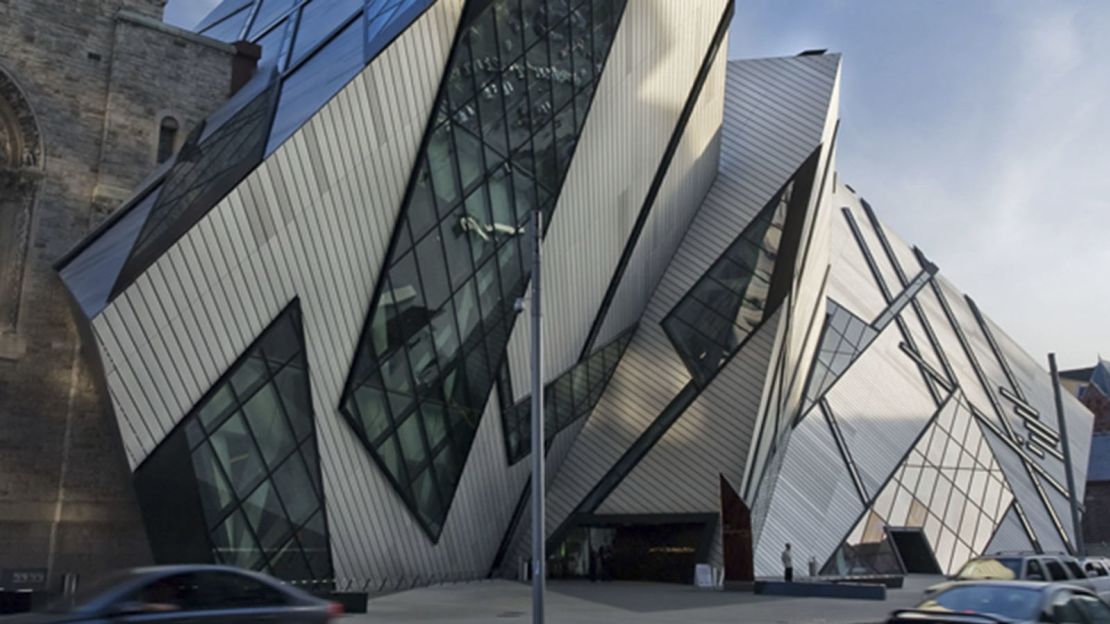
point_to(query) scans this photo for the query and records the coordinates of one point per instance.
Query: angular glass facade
(205, 168)
(504, 128)
(571, 396)
(250, 448)
(730, 300)
(310, 50)
(845, 336)
(950, 486)
(871, 553)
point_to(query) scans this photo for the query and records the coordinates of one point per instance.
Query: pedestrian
(593, 565)
(788, 565)
(607, 563)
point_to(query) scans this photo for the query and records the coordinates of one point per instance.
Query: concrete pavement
(618, 602)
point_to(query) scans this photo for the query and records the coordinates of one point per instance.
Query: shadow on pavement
(646, 597)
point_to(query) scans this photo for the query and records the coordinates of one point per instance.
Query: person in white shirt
(788, 565)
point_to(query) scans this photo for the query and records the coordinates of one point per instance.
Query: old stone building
(1092, 387)
(93, 94)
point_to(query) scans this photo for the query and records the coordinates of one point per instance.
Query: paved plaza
(583, 602)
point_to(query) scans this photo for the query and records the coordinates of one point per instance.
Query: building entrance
(914, 551)
(634, 548)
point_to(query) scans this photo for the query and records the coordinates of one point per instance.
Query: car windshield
(1006, 601)
(88, 593)
(996, 568)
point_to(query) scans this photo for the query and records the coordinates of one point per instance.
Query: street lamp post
(1077, 526)
(538, 558)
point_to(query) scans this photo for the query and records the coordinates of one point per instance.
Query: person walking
(606, 563)
(594, 556)
(788, 565)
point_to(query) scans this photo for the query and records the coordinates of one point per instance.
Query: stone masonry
(84, 86)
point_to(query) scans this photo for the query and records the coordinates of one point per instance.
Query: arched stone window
(20, 177)
(167, 138)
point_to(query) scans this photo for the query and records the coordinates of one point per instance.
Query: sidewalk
(619, 602)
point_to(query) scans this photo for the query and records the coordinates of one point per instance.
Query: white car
(1034, 567)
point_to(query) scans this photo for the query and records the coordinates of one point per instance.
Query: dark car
(976, 602)
(197, 594)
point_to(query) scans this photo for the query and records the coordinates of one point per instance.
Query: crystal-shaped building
(306, 320)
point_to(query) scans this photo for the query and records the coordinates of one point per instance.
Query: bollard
(69, 584)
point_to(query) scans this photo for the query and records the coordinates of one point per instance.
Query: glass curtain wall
(252, 450)
(845, 337)
(310, 50)
(950, 485)
(506, 121)
(729, 301)
(570, 397)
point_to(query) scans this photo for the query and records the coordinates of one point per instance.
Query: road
(582, 602)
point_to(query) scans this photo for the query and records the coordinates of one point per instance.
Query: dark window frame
(494, 321)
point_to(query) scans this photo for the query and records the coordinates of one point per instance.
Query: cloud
(979, 133)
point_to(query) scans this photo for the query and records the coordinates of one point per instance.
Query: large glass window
(571, 396)
(498, 145)
(207, 165)
(845, 336)
(252, 449)
(730, 300)
(310, 51)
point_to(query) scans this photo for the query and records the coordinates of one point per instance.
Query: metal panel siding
(638, 102)
(1009, 536)
(689, 176)
(814, 504)
(886, 270)
(521, 540)
(954, 353)
(681, 472)
(850, 282)
(1018, 480)
(776, 111)
(881, 404)
(1039, 396)
(313, 221)
(1036, 385)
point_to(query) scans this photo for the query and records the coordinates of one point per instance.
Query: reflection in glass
(255, 460)
(310, 51)
(730, 300)
(498, 145)
(845, 337)
(571, 396)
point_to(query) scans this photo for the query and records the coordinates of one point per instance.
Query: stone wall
(1096, 517)
(1099, 406)
(98, 75)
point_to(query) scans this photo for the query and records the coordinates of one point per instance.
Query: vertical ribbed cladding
(884, 398)
(655, 62)
(681, 472)
(1009, 535)
(312, 221)
(620, 150)
(771, 126)
(814, 500)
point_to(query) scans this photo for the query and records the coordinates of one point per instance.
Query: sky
(979, 131)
